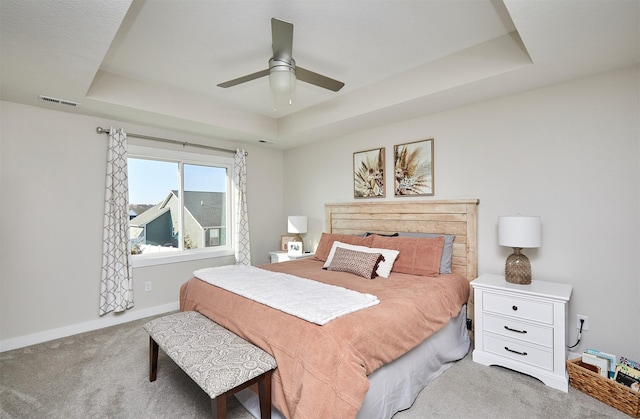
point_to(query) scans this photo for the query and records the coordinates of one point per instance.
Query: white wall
(52, 187)
(568, 152)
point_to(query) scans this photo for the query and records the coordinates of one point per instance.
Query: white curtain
(241, 230)
(116, 285)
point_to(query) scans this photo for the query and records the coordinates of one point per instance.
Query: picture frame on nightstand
(285, 239)
(294, 248)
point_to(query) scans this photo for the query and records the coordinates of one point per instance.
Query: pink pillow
(327, 239)
(418, 255)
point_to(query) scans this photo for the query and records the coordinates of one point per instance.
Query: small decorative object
(413, 168)
(368, 174)
(285, 239)
(294, 248)
(297, 224)
(518, 232)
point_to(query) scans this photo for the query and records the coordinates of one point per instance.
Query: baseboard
(106, 321)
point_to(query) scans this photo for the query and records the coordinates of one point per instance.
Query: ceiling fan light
(282, 80)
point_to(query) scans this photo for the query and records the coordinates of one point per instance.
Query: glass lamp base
(517, 270)
(298, 238)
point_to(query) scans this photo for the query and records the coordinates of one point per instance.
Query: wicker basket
(606, 390)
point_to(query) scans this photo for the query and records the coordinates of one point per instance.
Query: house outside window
(213, 236)
(179, 205)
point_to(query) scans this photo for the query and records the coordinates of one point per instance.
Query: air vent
(50, 99)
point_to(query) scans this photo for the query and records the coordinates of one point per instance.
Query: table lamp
(518, 232)
(297, 226)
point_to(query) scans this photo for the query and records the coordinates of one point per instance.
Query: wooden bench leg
(219, 404)
(264, 393)
(219, 407)
(153, 359)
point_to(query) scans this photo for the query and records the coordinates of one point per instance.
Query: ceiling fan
(282, 69)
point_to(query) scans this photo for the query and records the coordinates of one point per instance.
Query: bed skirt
(395, 386)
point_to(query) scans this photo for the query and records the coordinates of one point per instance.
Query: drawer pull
(515, 330)
(514, 308)
(516, 352)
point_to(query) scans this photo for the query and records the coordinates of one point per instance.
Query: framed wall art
(368, 174)
(285, 239)
(413, 168)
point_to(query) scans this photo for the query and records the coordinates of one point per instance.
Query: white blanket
(304, 298)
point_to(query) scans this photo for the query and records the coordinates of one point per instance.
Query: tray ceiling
(158, 62)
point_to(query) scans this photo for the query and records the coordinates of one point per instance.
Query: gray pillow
(447, 249)
(367, 234)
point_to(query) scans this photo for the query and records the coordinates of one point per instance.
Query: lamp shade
(297, 224)
(519, 231)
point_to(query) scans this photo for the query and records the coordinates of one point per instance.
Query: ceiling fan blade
(318, 79)
(282, 40)
(244, 79)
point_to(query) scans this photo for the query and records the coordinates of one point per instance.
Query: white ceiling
(157, 62)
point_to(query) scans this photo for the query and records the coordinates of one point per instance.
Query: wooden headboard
(457, 216)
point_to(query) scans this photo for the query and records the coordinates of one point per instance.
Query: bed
(372, 362)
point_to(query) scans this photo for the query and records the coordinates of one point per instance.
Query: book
(589, 367)
(629, 362)
(627, 370)
(601, 363)
(612, 361)
(628, 376)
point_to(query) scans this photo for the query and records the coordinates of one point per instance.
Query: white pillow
(384, 268)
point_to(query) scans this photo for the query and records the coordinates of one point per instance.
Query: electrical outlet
(585, 326)
(147, 286)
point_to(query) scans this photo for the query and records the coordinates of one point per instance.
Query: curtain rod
(100, 130)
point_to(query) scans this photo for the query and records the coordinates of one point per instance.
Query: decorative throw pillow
(418, 255)
(327, 239)
(384, 267)
(363, 264)
(447, 249)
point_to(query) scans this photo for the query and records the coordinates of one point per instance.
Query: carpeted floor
(104, 374)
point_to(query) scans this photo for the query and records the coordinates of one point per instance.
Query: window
(179, 205)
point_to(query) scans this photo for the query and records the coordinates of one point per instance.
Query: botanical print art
(368, 174)
(413, 168)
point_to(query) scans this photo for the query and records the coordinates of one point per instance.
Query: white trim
(186, 156)
(106, 321)
(152, 259)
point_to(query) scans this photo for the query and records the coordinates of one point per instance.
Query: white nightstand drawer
(508, 305)
(519, 351)
(512, 328)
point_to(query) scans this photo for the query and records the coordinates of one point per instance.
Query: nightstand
(522, 327)
(282, 256)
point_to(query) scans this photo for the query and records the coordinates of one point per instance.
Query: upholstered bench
(219, 361)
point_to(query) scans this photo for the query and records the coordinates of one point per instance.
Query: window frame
(181, 158)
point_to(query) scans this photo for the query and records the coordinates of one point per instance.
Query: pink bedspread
(322, 370)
